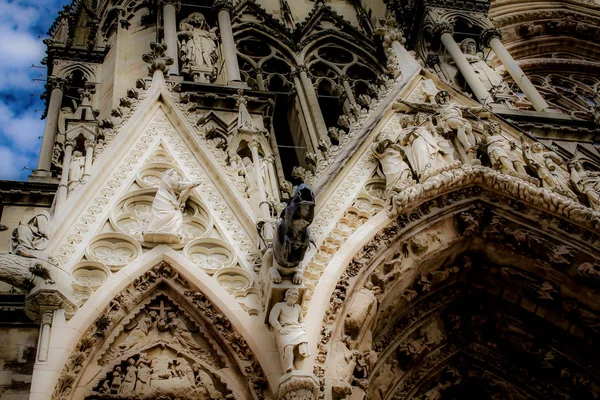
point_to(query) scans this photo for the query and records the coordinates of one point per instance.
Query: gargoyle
(292, 236)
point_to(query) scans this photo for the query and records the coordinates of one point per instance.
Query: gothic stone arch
(470, 295)
(161, 337)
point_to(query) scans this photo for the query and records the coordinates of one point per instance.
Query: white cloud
(21, 131)
(11, 164)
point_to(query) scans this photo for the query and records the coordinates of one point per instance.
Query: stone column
(445, 31)
(491, 38)
(348, 89)
(61, 192)
(229, 49)
(313, 104)
(253, 144)
(312, 135)
(44, 341)
(393, 44)
(55, 87)
(170, 8)
(89, 154)
(272, 177)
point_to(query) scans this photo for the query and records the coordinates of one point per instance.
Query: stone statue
(292, 235)
(144, 372)
(290, 334)
(128, 384)
(491, 80)
(391, 158)
(166, 223)
(76, 168)
(249, 173)
(587, 183)
(503, 153)
(428, 151)
(32, 239)
(181, 333)
(451, 121)
(198, 48)
(547, 166)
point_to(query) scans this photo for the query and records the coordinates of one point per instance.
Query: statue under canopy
(198, 48)
(166, 223)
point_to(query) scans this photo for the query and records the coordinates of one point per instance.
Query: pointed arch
(159, 275)
(410, 313)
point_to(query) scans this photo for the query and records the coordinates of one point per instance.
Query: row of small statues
(425, 149)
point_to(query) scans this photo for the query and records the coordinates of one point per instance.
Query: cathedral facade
(309, 199)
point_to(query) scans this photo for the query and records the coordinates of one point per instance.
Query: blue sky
(23, 26)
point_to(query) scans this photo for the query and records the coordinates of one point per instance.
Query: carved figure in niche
(128, 384)
(166, 223)
(115, 384)
(385, 379)
(413, 349)
(290, 334)
(249, 173)
(363, 310)
(587, 183)
(292, 236)
(203, 380)
(491, 80)
(181, 333)
(504, 154)
(198, 48)
(76, 167)
(391, 158)
(547, 165)
(428, 151)
(144, 372)
(32, 239)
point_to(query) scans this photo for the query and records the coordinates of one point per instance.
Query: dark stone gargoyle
(292, 236)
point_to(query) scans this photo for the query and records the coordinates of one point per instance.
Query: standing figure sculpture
(547, 166)
(587, 183)
(391, 158)
(198, 48)
(290, 334)
(428, 151)
(503, 153)
(166, 223)
(451, 123)
(292, 235)
(491, 80)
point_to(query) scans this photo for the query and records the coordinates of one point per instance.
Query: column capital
(254, 144)
(70, 143)
(87, 91)
(301, 68)
(158, 60)
(55, 83)
(440, 28)
(390, 31)
(226, 5)
(174, 3)
(90, 144)
(488, 34)
(47, 317)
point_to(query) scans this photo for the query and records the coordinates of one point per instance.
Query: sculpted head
(421, 117)
(442, 97)
(468, 46)
(537, 147)
(291, 296)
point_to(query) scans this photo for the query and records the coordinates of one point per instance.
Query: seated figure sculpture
(290, 334)
(166, 224)
(32, 239)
